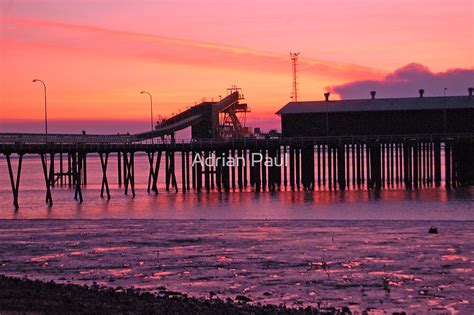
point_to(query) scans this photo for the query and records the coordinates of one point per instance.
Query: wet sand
(388, 266)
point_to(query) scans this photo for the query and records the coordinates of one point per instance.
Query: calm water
(395, 204)
(295, 248)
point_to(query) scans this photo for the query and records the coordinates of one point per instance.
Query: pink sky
(95, 56)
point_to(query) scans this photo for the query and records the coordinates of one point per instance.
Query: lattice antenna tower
(294, 62)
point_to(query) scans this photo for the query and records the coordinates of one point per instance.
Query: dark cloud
(406, 81)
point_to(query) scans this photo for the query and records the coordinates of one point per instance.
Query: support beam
(105, 183)
(323, 156)
(61, 171)
(69, 169)
(154, 186)
(173, 174)
(285, 167)
(319, 166)
(406, 165)
(353, 165)
(167, 171)
(233, 155)
(77, 177)
(131, 172)
(119, 169)
(194, 169)
(151, 157)
(15, 184)
(245, 168)
(341, 176)
(330, 167)
(297, 168)
(183, 171)
(240, 170)
(207, 182)
(84, 169)
(292, 168)
(264, 170)
(51, 170)
(49, 199)
(129, 175)
(188, 175)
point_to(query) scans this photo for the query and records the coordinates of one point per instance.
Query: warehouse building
(373, 116)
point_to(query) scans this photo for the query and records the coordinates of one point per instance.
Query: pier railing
(35, 138)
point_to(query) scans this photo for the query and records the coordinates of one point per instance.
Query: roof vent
(326, 96)
(421, 92)
(471, 90)
(372, 93)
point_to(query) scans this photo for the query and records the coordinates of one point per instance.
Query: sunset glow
(95, 57)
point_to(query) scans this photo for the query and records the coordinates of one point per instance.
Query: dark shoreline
(20, 296)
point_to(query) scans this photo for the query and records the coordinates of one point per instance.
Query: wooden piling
(335, 167)
(330, 167)
(297, 168)
(285, 168)
(348, 165)
(151, 157)
(84, 169)
(264, 169)
(416, 160)
(362, 163)
(240, 169)
(207, 181)
(245, 168)
(292, 168)
(15, 183)
(307, 165)
(156, 169)
(194, 169)
(188, 179)
(367, 166)
(61, 171)
(183, 171)
(119, 169)
(375, 165)
(353, 165)
(49, 199)
(198, 167)
(323, 156)
(359, 161)
(232, 168)
(341, 167)
(78, 179)
(105, 184)
(69, 169)
(319, 165)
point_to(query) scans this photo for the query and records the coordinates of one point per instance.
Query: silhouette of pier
(335, 163)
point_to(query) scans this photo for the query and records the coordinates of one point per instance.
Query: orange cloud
(151, 48)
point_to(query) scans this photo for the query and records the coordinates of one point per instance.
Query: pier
(330, 163)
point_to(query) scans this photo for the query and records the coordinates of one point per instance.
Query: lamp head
(34, 80)
(142, 92)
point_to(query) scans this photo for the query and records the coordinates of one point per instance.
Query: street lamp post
(151, 112)
(45, 110)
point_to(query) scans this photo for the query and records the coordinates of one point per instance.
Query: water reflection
(429, 203)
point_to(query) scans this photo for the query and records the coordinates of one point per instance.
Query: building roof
(382, 104)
